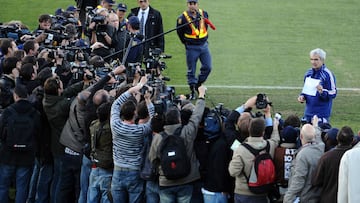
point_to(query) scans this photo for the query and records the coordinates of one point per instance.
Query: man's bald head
(307, 133)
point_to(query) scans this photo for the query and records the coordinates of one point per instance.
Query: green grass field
(261, 46)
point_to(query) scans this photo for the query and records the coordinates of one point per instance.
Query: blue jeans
(55, 178)
(180, 193)
(68, 188)
(84, 179)
(152, 192)
(39, 189)
(22, 176)
(250, 199)
(214, 197)
(127, 186)
(33, 182)
(99, 185)
(43, 183)
(193, 53)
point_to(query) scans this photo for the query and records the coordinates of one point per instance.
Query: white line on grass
(263, 87)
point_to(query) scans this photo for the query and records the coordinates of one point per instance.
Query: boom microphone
(207, 21)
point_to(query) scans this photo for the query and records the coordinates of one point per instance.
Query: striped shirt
(128, 139)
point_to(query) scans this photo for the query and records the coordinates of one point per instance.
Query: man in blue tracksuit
(192, 27)
(321, 103)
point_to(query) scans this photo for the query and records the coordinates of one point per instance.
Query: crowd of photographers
(101, 99)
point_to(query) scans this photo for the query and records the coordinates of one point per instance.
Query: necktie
(142, 22)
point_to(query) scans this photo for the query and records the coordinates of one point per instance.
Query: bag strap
(256, 152)
(177, 132)
(77, 121)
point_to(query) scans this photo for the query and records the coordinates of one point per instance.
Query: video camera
(154, 61)
(13, 31)
(262, 101)
(78, 71)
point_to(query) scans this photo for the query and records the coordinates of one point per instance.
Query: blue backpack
(213, 124)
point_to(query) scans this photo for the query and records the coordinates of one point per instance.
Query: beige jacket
(243, 159)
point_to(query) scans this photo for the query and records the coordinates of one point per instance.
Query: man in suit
(150, 26)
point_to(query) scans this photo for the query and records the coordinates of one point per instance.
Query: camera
(144, 89)
(132, 69)
(98, 19)
(79, 71)
(154, 62)
(53, 53)
(262, 101)
(13, 31)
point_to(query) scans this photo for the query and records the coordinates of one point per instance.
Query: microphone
(165, 56)
(207, 21)
(165, 78)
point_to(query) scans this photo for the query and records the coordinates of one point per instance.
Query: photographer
(238, 119)
(101, 33)
(128, 141)
(44, 24)
(76, 137)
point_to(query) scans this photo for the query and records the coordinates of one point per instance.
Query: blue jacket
(321, 104)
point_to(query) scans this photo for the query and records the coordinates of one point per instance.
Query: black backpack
(20, 131)
(174, 161)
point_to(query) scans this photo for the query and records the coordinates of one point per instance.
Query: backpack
(101, 144)
(148, 171)
(212, 124)
(20, 131)
(174, 161)
(262, 175)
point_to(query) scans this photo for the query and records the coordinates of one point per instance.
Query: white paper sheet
(310, 86)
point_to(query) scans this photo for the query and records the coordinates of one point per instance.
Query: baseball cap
(332, 133)
(122, 7)
(59, 11)
(71, 9)
(111, 2)
(192, 1)
(324, 127)
(289, 134)
(134, 21)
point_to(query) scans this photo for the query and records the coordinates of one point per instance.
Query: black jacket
(57, 110)
(19, 158)
(7, 85)
(153, 27)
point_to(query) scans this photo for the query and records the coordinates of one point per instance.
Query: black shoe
(192, 95)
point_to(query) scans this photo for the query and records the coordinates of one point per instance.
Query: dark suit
(153, 27)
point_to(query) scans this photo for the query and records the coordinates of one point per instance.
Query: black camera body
(262, 101)
(154, 61)
(79, 71)
(98, 19)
